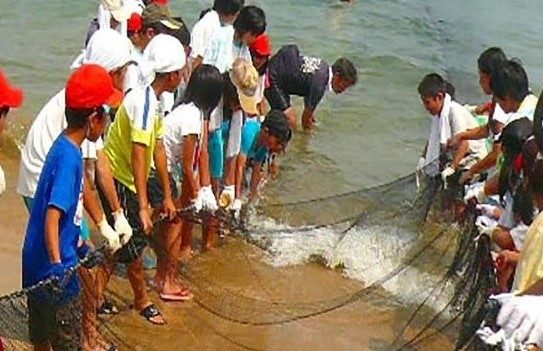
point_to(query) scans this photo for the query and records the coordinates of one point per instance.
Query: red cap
(161, 2)
(10, 96)
(91, 86)
(262, 45)
(135, 22)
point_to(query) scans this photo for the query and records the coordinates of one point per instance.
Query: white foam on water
(366, 254)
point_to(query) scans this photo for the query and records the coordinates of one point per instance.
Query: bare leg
(103, 274)
(210, 224)
(186, 226)
(171, 257)
(141, 299)
(161, 234)
(292, 118)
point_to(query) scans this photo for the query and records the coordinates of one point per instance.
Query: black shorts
(155, 192)
(60, 324)
(277, 98)
(130, 203)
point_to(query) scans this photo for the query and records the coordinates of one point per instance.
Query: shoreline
(234, 283)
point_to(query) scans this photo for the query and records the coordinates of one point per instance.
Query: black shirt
(297, 74)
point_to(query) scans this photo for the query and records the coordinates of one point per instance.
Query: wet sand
(234, 291)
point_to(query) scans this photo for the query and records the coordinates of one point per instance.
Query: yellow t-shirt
(530, 264)
(138, 120)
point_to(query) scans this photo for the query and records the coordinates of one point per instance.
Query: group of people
(498, 161)
(154, 121)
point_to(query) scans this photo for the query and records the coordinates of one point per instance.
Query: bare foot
(185, 254)
(208, 247)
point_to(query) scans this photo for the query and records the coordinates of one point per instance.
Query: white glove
(197, 202)
(447, 172)
(111, 236)
(485, 225)
(2, 181)
(209, 202)
(477, 193)
(519, 315)
(228, 195)
(486, 209)
(122, 227)
(236, 207)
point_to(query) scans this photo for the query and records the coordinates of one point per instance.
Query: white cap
(164, 54)
(117, 9)
(107, 48)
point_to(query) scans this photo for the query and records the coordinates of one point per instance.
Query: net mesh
(406, 253)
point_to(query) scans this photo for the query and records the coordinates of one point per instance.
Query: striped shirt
(138, 120)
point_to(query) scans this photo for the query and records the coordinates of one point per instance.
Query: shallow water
(372, 134)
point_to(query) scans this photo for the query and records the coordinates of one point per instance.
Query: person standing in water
(292, 73)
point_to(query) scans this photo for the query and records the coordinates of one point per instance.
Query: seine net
(405, 250)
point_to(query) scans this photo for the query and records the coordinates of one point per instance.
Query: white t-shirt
(221, 50)
(507, 219)
(233, 146)
(526, 109)
(260, 88)
(433, 149)
(45, 129)
(202, 32)
(184, 120)
(454, 119)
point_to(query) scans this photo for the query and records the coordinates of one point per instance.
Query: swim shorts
(60, 324)
(155, 192)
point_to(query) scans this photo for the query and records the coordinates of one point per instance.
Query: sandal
(182, 295)
(151, 312)
(107, 308)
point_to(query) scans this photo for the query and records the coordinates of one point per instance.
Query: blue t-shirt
(60, 186)
(249, 142)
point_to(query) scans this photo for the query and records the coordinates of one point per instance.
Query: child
(517, 210)
(134, 142)
(239, 98)
(258, 141)
(155, 19)
(512, 93)
(10, 97)
(223, 13)
(260, 54)
(110, 50)
(51, 241)
(489, 60)
(449, 119)
(183, 140)
(291, 73)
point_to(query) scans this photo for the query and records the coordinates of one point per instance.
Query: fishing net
(404, 253)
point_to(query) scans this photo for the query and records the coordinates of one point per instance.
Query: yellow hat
(245, 78)
(248, 103)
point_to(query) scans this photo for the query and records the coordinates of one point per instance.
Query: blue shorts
(216, 151)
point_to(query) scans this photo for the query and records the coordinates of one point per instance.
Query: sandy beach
(241, 303)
